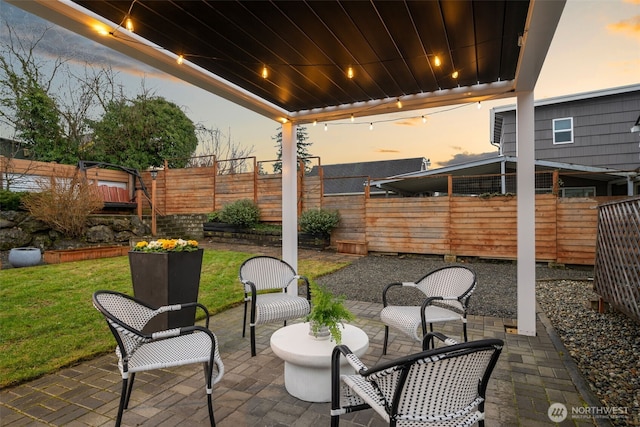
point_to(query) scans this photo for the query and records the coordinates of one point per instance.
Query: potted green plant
(328, 313)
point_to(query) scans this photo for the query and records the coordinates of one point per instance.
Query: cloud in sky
(410, 121)
(466, 157)
(57, 42)
(627, 27)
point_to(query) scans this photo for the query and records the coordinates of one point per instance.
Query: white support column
(525, 140)
(289, 198)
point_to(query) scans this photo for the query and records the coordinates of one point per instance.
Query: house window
(563, 131)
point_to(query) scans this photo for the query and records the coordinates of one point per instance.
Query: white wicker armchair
(444, 387)
(260, 276)
(446, 296)
(138, 351)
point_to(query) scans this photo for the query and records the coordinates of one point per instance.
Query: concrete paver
(531, 374)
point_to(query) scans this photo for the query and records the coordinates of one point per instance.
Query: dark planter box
(223, 232)
(164, 279)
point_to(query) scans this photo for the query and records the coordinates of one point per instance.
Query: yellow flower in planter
(166, 245)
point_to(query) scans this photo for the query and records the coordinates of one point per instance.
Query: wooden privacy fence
(471, 226)
(481, 227)
(617, 267)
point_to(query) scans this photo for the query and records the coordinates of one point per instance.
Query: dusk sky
(596, 46)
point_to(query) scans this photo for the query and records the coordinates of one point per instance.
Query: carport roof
(496, 47)
(436, 180)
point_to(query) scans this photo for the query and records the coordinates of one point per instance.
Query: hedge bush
(319, 222)
(11, 201)
(242, 213)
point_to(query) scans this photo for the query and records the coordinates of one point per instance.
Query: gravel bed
(494, 296)
(605, 347)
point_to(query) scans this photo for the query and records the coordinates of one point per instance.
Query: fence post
(139, 200)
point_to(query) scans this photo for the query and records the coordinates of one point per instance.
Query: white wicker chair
(447, 291)
(138, 351)
(260, 276)
(444, 387)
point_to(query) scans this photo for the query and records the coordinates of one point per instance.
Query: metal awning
(307, 48)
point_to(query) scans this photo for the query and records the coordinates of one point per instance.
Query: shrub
(213, 217)
(11, 201)
(319, 221)
(243, 213)
(64, 204)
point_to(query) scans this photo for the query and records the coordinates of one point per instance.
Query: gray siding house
(591, 138)
(587, 129)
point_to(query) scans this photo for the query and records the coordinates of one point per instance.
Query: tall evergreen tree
(302, 149)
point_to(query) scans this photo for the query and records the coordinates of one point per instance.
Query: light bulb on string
(128, 24)
(180, 59)
(353, 118)
(265, 72)
(455, 74)
(350, 72)
(326, 127)
(371, 126)
(436, 61)
(315, 122)
(424, 119)
(399, 103)
(479, 105)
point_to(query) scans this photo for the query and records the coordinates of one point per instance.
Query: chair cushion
(176, 351)
(279, 306)
(407, 318)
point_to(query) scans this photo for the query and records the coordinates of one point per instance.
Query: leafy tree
(302, 148)
(38, 126)
(25, 104)
(143, 133)
(42, 101)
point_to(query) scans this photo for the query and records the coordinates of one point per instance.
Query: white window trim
(553, 129)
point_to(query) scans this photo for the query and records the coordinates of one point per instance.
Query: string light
(436, 61)
(455, 74)
(353, 118)
(479, 105)
(315, 122)
(350, 72)
(180, 59)
(128, 24)
(399, 103)
(423, 117)
(101, 30)
(265, 72)
(326, 127)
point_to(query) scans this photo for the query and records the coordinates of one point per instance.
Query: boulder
(13, 238)
(99, 234)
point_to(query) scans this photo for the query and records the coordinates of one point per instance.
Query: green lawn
(47, 320)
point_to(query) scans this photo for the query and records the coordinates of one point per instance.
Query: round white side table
(307, 361)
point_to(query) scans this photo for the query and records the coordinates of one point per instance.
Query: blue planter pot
(24, 257)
